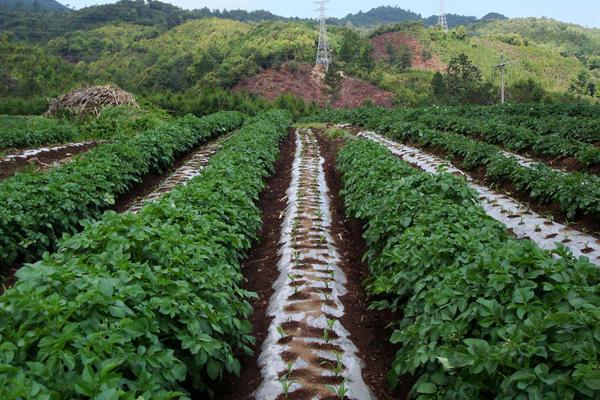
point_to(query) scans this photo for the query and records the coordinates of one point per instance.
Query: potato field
(427, 253)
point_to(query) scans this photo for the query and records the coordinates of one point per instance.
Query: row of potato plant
(577, 194)
(481, 314)
(114, 122)
(578, 123)
(514, 138)
(550, 137)
(136, 305)
(36, 209)
(19, 132)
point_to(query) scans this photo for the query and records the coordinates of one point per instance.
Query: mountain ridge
(34, 5)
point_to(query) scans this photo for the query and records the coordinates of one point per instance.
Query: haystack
(90, 101)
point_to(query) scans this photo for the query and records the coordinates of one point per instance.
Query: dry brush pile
(90, 101)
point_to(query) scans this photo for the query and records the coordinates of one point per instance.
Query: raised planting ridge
(191, 168)
(308, 353)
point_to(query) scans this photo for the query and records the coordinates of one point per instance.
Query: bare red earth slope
(400, 39)
(304, 82)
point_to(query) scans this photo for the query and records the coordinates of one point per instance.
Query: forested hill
(27, 20)
(161, 51)
(33, 5)
(27, 24)
(393, 15)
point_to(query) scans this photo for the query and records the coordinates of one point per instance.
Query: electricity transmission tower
(502, 68)
(442, 20)
(323, 51)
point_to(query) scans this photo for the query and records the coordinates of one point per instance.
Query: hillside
(161, 51)
(33, 5)
(566, 38)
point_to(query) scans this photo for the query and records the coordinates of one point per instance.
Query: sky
(583, 12)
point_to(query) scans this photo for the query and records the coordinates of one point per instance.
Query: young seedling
(323, 239)
(538, 228)
(285, 381)
(522, 221)
(281, 332)
(292, 279)
(340, 391)
(319, 214)
(339, 364)
(330, 324)
(336, 367)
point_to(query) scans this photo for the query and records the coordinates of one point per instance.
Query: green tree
(348, 46)
(405, 58)
(462, 83)
(459, 33)
(390, 50)
(333, 80)
(526, 91)
(438, 86)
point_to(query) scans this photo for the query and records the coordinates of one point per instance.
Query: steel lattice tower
(323, 51)
(442, 20)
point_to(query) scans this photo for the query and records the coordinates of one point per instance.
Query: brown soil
(368, 328)
(305, 82)
(399, 40)
(260, 271)
(148, 184)
(43, 161)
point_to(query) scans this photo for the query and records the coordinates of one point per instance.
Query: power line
(442, 20)
(323, 50)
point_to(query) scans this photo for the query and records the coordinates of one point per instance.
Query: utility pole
(442, 20)
(502, 68)
(323, 51)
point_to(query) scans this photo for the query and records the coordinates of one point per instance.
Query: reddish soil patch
(368, 328)
(260, 271)
(399, 40)
(43, 161)
(305, 82)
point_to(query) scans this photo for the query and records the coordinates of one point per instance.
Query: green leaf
(426, 388)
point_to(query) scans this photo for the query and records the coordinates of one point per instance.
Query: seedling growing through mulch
(281, 332)
(286, 382)
(330, 324)
(336, 367)
(340, 391)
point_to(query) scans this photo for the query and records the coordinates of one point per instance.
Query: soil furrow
(154, 186)
(42, 159)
